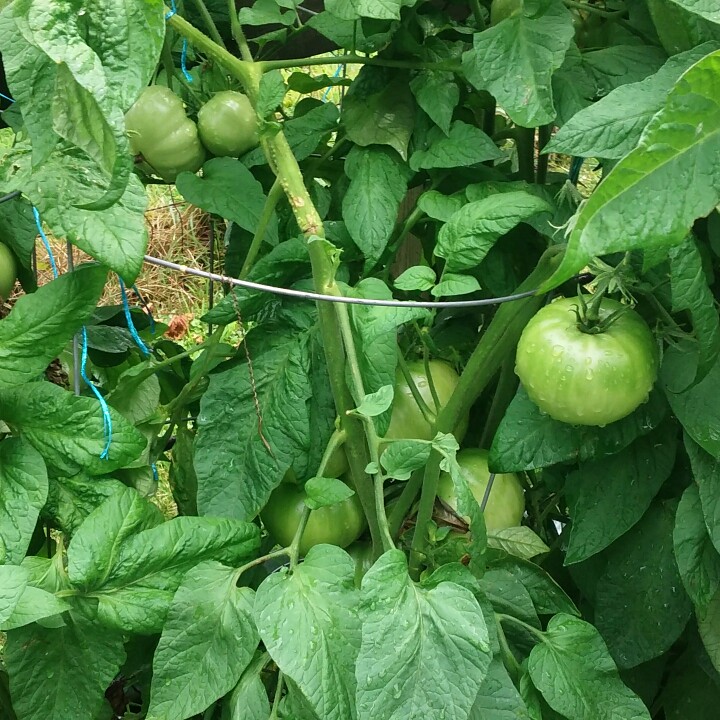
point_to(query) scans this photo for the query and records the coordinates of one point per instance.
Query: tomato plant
(506, 502)
(408, 420)
(338, 524)
(8, 271)
(227, 124)
(160, 131)
(382, 182)
(583, 377)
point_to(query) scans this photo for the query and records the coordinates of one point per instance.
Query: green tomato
(361, 552)
(161, 132)
(227, 124)
(339, 524)
(502, 9)
(506, 503)
(8, 271)
(586, 379)
(407, 421)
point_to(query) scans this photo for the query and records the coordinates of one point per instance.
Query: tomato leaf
(642, 610)
(498, 698)
(229, 434)
(613, 66)
(709, 628)
(24, 490)
(573, 670)
(705, 8)
(207, 641)
(529, 440)
(322, 491)
(608, 496)
(249, 700)
(522, 542)
(453, 284)
(463, 145)
(222, 182)
(402, 458)
(34, 605)
(697, 558)
(640, 204)
(150, 565)
(507, 594)
(272, 92)
(612, 127)
(533, 42)
(13, 581)
(438, 94)
(706, 471)
(419, 277)
(378, 184)
(410, 656)
(439, 206)
(97, 542)
(68, 431)
(690, 292)
(374, 404)
(379, 109)
(42, 664)
(472, 231)
(317, 604)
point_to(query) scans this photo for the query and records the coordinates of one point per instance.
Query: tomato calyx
(588, 314)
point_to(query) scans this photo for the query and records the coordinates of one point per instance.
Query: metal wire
(304, 295)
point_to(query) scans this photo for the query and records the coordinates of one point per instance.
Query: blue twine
(129, 320)
(338, 70)
(574, 172)
(172, 11)
(107, 420)
(183, 61)
(147, 310)
(48, 249)
(5, 97)
(154, 469)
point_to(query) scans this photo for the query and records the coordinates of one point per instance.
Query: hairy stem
(353, 59)
(271, 202)
(209, 22)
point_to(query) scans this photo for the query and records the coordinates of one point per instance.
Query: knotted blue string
(172, 11)
(129, 320)
(154, 469)
(45, 242)
(183, 53)
(337, 72)
(107, 420)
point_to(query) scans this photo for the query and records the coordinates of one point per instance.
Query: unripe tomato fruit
(8, 271)
(161, 132)
(227, 124)
(506, 503)
(407, 421)
(586, 379)
(339, 524)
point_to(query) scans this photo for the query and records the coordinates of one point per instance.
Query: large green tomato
(586, 379)
(506, 503)
(227, 124)
(8, 271)
(160, 131)
(407, 421)
(339, 524)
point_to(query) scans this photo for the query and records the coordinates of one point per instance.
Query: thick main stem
(496, 343)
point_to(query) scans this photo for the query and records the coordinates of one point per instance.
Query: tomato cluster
(169, 142)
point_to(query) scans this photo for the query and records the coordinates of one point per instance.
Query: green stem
(404, 502)
(504, 393)
(373, 441)
(509, 659)
(167, 60)
(431, 382)
(539, 634)
(337, 439)
(294, 550)
(237, 32)
(209, 22)
(278, 695)
(273, 197)
(353, 59)
(427, 413)
(259, 561)
(496, 343)
(525, 143)
(544, 134)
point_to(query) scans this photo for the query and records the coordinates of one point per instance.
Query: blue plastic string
(48, 249)
(574, 172)
(5, 97)
(183, 61)
(107, 420)
(338, 70)
(129, 320)
(147, 310)
(154, 469)
(172, 11)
